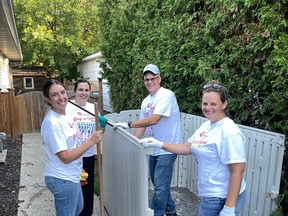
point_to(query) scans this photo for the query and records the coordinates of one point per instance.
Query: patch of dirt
(10, 176)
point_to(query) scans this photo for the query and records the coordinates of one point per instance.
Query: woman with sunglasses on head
(63, 151)
(86, 124)
(219, 148)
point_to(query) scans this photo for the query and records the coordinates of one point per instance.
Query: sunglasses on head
(217, 87)
(214, 86)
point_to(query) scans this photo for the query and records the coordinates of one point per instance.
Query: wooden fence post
(12, 112)
(99, 162)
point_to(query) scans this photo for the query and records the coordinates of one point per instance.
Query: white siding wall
(90, 69)
(1, 69)
(106, 99)
(6, 80)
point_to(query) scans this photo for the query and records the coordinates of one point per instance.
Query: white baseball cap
(151, 68)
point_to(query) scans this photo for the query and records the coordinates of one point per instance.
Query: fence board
(30, 110)
(190, 124)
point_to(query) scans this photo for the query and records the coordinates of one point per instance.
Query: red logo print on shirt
(150, 109)
(202, 133)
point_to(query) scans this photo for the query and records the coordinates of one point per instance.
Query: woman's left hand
(227, 211)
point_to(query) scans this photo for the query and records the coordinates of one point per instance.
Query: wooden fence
(24, 113)
(21, 114)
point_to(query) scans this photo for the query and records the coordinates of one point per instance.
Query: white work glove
(227, 211)
(120, 125)
(151, 142)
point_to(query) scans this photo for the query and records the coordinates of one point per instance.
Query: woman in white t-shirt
(85, 122)
(63, 152)
(219, 148)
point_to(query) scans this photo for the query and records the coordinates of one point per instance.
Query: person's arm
(139, 132)
(146, 122)
(67, 156)
(183, 149)
(142, 123)
(236, 175)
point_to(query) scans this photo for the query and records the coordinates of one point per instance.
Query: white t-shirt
(58, 135)
(84, 121)
(215, 145)
(169, 128)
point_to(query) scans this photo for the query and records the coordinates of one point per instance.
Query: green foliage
(56, 34)
(243, 44)
(277, 212)
(96, 179)
(96, 187)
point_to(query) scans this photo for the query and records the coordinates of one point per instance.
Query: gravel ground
(187, 203)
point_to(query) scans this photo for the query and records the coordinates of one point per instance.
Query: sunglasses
(214, 86)
(217, 87)
(152, 79)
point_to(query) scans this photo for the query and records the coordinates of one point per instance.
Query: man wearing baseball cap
(160, 119)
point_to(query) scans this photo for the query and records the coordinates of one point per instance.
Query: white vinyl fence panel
(264, 153)
(125, 168)
(125, 176)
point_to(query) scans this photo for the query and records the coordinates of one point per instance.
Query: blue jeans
(68, 197)
(212, 206)
(161, 170)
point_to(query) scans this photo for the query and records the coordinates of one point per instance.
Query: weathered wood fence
(24, 113)
(21, 114)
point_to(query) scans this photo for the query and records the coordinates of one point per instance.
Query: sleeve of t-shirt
(56, 140)
(142, 109)
(198, 133)
(164, 106)
(232, 149)
(191, 140)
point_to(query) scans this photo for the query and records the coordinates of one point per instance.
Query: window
(28, 83)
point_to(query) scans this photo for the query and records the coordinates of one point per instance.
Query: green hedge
(243, 44)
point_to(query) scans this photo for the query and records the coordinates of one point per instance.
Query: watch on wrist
(129, 124)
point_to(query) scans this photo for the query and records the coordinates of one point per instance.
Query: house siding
(19, 84)
(1, 69)
(90, 69)
(6, 81)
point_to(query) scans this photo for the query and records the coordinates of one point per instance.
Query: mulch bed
(10, 176)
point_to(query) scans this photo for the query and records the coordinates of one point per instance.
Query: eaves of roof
(9, 39)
